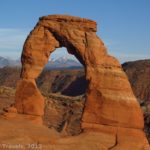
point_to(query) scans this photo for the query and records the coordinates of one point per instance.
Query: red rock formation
(109, 97)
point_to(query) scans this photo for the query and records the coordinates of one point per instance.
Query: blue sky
(123, 25)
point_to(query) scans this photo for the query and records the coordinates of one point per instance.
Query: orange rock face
(29, 100)
(109, 98)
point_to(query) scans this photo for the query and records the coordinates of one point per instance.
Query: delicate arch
(109, 91)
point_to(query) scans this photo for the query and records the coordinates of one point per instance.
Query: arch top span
(77, 34)
(77, 22)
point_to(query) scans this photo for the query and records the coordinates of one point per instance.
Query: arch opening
(63, 83)
(63, 75)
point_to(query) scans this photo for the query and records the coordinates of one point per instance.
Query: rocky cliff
(138, 73)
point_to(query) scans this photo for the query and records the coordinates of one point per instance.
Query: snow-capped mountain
(3, 62)
(61, 62)
(8, 62)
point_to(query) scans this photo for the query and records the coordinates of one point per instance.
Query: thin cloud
(131, 57)
(114, 47)
(111, 43)
(12, 38)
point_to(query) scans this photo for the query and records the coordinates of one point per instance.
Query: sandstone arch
(109, 98)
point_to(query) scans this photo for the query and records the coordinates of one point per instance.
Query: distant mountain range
(9, 62)
(61, 62)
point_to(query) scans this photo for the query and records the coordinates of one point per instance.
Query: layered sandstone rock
(109, 97)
